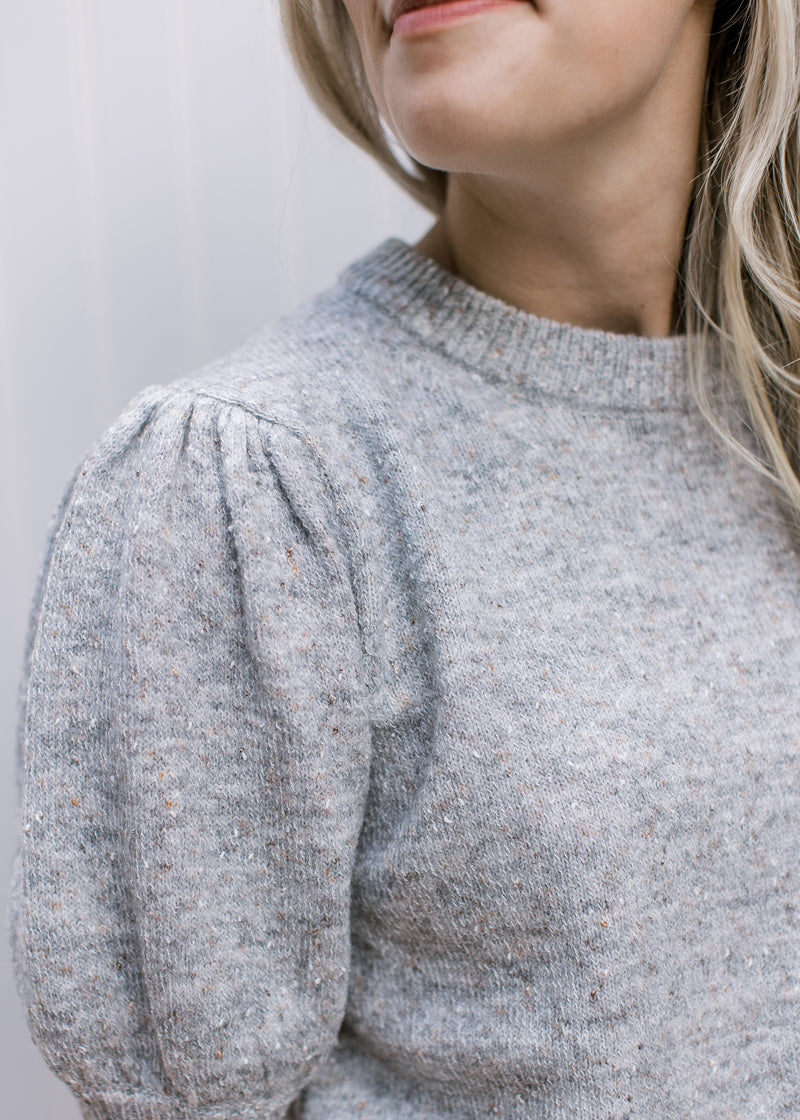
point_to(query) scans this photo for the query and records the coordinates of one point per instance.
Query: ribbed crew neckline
(505, 345)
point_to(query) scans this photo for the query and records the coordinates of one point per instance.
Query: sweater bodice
(411, 731)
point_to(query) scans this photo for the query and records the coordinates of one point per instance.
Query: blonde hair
(740, 271)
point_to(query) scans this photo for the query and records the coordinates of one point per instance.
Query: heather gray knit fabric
(412, 731)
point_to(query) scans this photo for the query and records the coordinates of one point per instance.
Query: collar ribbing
(505, 345)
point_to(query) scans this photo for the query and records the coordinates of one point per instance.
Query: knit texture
(411, 731)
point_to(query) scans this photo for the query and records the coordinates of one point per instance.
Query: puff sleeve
(194, 762)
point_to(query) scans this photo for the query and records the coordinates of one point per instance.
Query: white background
(165, 189)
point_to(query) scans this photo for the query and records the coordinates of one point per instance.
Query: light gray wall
(164, 190)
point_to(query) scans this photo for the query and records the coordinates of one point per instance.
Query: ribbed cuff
(123, 1107)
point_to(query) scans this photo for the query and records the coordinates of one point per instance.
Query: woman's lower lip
(439, 15)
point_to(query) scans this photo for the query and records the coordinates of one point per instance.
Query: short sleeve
(194, 764)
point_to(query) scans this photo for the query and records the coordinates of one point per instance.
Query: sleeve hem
(121, 1106)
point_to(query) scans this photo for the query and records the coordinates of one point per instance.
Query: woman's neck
(588, 273)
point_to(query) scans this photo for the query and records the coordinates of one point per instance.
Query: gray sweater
(412, 730)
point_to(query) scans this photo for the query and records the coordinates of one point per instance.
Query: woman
(412, 698)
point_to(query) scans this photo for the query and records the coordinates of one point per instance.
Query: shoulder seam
(234, 403)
